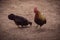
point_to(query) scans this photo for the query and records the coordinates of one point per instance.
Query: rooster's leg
(37, 26)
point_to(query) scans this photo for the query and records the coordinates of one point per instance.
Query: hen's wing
(20, 19)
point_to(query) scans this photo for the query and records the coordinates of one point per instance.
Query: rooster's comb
(35, 8)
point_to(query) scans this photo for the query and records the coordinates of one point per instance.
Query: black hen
(19, 20)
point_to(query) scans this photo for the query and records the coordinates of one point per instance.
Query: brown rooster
(39, 19)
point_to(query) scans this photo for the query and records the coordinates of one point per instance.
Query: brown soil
(49, 31)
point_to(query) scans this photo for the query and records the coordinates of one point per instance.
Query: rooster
(39, 19)
(19, 20)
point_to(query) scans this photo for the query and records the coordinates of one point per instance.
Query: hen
(19, 20)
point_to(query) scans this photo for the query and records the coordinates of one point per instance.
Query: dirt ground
(49, 31)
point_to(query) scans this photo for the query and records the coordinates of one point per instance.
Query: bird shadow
(40, 30)
(23, 27)
(45, 30)
(17, 28)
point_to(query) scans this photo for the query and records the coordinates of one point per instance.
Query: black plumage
(39, 21)
(19, 20)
